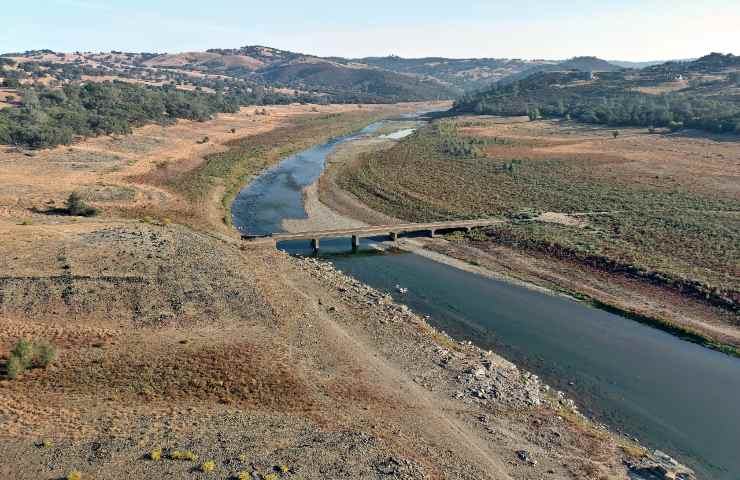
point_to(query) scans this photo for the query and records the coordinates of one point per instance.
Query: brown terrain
(174, 336)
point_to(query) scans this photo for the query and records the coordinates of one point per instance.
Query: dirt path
(428, 416)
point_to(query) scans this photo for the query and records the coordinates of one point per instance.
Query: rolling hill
(339, 78)
(702, 94)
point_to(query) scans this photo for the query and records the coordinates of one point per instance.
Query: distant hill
(640, 65)
(339, 78)
(714, 62)
(461, 74)
(586, 64)
(431, 77)
(703, 94)
(581, 64)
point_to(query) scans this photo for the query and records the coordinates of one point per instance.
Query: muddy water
(670, 394)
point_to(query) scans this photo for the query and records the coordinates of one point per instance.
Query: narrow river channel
(670, 394)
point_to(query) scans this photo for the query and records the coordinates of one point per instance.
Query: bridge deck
(378, 230)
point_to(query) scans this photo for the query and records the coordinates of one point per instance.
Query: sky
(636, 30)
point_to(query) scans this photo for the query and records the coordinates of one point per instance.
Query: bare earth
(175, 338)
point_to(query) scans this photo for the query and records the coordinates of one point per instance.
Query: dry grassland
(663, 208)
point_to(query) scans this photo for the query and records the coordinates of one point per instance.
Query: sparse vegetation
(78, 208)
(155, 455)
(186, 455)
(665, 232)
(74, 475)
(208, 466)
(27, 354)
(249, 155)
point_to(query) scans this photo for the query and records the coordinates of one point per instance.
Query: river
(670, 394)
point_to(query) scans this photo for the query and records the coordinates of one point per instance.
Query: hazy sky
(612, 29)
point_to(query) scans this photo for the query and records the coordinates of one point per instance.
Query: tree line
(609, 105)
(49, 117)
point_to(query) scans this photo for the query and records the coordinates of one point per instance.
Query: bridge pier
(355, 243)
(315, 245)
(394, 236)
(432, 232)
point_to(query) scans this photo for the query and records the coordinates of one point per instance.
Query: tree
(77, 207)
(615, 133)
(533, 113)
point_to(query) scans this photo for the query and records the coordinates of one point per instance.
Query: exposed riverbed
(669, 393)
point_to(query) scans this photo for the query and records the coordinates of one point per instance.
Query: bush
(208, 466)
(155, 455)
(14, 367)
(25, 355)
(23, 351)
(74, 475)
(187, 455)
(77, 207)
(44, 354)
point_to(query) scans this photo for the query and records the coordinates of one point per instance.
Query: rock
(480, 393)
(523, 455)
(477, 371)
(659, 466)
(389, 467)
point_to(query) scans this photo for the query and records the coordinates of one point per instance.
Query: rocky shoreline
(489, 382)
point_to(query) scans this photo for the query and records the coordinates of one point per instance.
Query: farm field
(662, 207)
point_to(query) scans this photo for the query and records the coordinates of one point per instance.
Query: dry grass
(129, 175)
(664, 203)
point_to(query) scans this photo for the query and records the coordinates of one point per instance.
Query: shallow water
(669, 393)
(400, 134)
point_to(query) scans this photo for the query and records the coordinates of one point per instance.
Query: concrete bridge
(393, 231)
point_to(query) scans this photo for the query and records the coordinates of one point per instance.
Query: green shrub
(74, 475)
(14, 367)
(23, 351)
(77, 207)
(208, 466)
(186, 455)
(26, 354)
(44, 354)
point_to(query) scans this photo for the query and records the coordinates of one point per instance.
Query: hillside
(581, 64)
(462, 74)
(307, 78)
(703, 94)
(337, 78)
